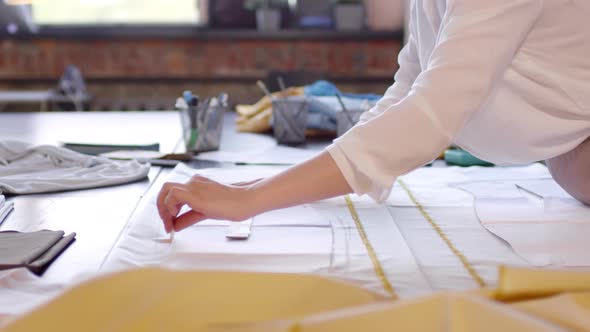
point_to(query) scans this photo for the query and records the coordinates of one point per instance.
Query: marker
(193, 103)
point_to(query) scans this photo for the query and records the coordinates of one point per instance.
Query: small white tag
(239, 230)
(166, 239)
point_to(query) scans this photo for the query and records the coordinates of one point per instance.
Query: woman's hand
(315, 179)
(207, 199)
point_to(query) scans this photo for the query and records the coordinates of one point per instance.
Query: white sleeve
(476, 43)
(409, 68)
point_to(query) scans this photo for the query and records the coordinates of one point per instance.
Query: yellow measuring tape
(445, 238)
(376, 264)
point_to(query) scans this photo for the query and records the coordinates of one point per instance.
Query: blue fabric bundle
(323, 104)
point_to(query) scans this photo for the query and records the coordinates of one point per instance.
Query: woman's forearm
(316, 179)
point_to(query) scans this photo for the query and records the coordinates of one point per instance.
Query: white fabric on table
(452, 210)
(542, 222)
(26, 169)
(322, 237)
(316, 238)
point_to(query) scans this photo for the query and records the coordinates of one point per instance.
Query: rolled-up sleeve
(475, 44)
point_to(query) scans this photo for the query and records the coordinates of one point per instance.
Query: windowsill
(202, 33)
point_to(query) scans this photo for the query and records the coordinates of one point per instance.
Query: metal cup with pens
(346, 118)
(202, 121)
(289, 119)
(289, 116)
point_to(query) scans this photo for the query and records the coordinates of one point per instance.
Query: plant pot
(268, 19)
(385, 14)
(350, 17)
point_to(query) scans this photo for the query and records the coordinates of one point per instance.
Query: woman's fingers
(164, 192)
(207, 199)
(188, 219)
(176, 198)
(162, 209)
(170, 201)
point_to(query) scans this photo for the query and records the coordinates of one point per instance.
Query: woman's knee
(571, 171)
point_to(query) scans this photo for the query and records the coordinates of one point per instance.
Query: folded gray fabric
(26, 169)
(35, 251)
(5, 209)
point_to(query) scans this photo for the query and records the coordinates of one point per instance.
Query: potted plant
(349, 14)
(268, 13)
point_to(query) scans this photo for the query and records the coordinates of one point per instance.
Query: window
(118, 12)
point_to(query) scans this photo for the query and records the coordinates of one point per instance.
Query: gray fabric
(39, 265)
(5, 209)
(26, 169)
(19, 249)
(34, 251)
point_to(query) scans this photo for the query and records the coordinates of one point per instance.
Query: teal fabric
(463, 158)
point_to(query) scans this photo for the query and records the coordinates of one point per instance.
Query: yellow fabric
(259, 123)
(445, 312)
(256, 118)
(471, 311)
(264, 102)
(568, 310)
(521, 283)
(161, 300)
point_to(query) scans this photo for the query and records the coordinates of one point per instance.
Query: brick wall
(161, 68)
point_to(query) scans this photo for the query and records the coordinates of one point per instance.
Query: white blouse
(507, 80)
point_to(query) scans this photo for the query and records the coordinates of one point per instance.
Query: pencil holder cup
(202, 124)
(346, 120)
(289, 120)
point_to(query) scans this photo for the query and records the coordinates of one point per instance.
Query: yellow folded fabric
(468, 311)
(264, 103)
(259, 123)
(256, 118)
(571, 310)
(444, 312)
(162, 300)
(522, 283)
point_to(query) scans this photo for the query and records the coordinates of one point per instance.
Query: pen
(191, 101)
(344, 109)
(262, 87)
(281, 83)
(193, 108)
(282, 86)
(204, 122)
